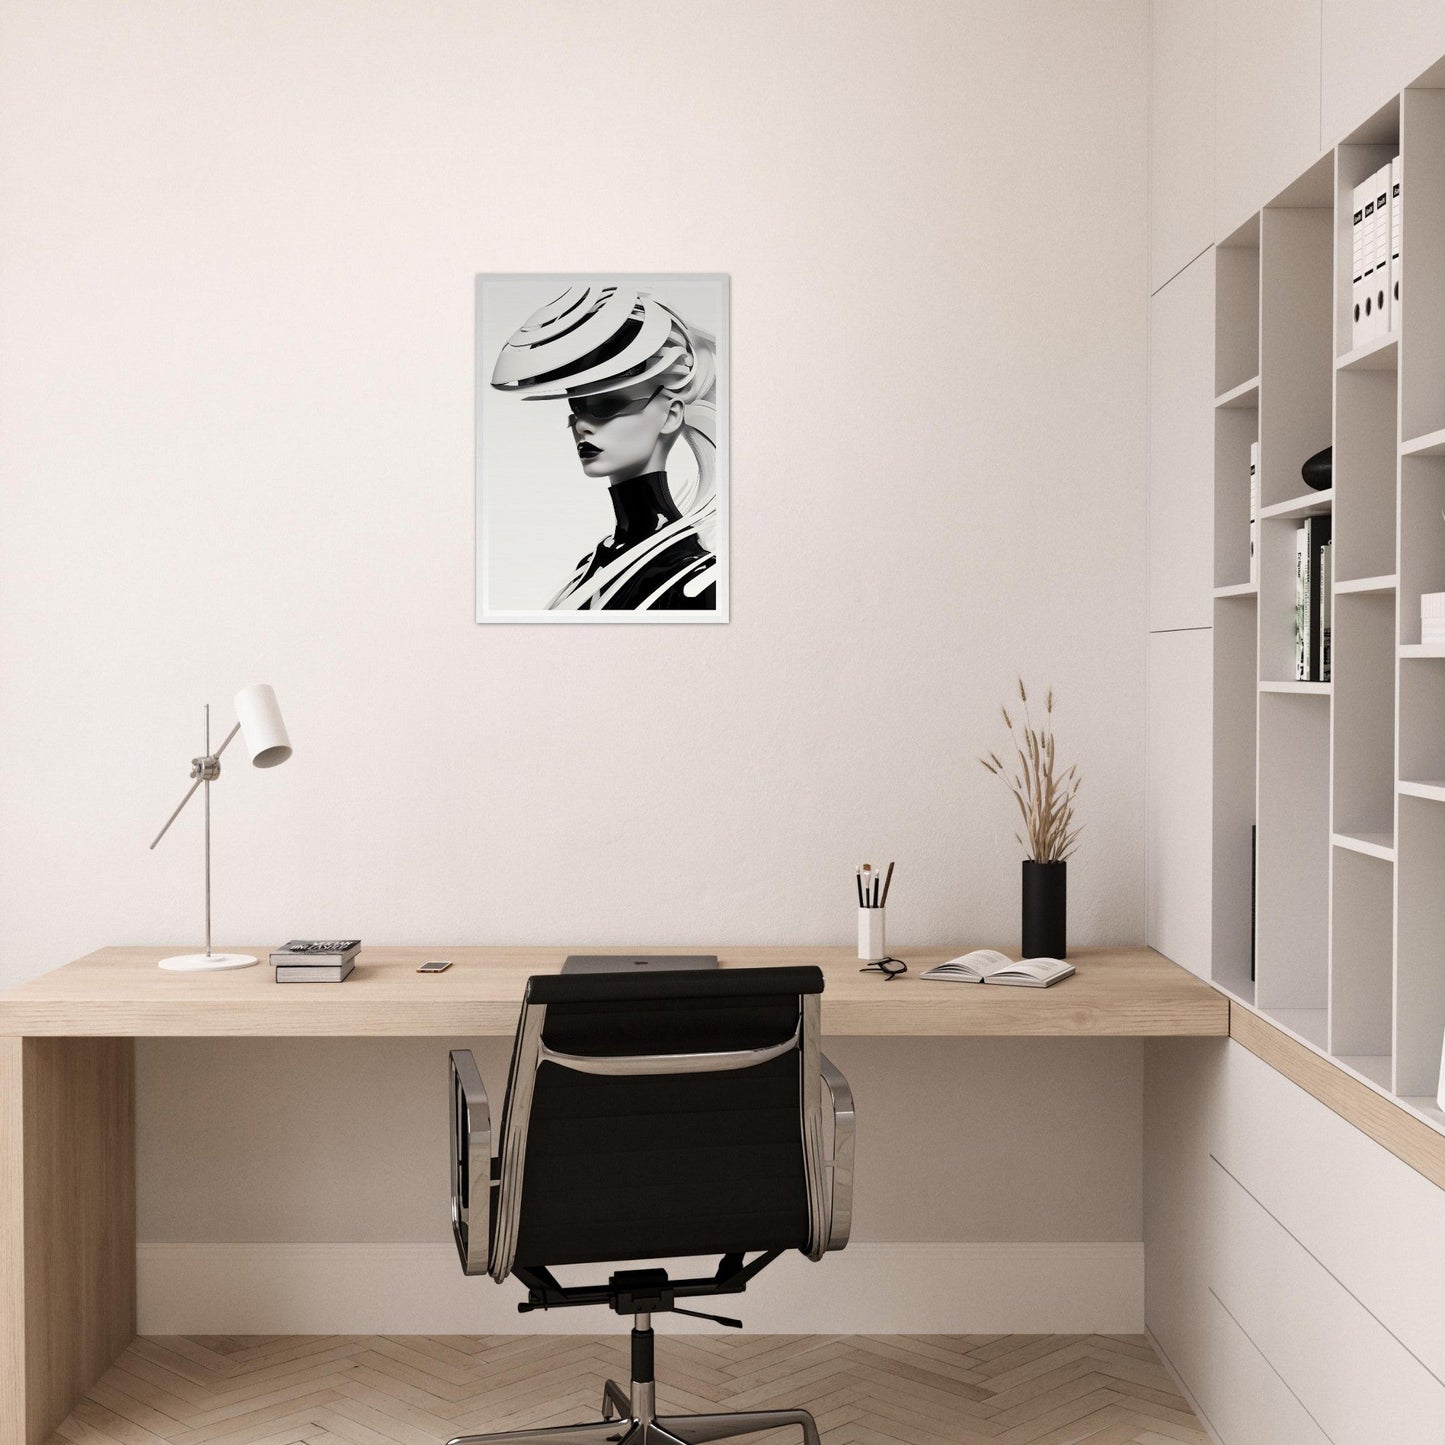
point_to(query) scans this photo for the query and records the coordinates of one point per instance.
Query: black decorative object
(1319, 471)
(1045, 911)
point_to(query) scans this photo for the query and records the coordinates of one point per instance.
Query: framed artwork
(602, 458)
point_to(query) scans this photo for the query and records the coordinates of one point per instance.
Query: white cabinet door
(1181, 134)
(1181, 450)
(1178, 847)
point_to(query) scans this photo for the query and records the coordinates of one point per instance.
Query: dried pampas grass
(1045, 797)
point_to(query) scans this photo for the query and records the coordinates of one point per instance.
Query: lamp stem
(207, 754)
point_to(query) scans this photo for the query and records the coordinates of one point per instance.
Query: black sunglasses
(890, 968)
(606, 406)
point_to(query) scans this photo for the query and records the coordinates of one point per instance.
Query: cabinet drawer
(1246, 1402)
(1357, 1381)
(1367, 1217)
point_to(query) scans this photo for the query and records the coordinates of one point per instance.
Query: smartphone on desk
(435, 965)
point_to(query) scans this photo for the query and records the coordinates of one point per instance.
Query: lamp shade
(262, 730)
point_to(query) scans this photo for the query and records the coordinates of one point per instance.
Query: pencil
(887, 884)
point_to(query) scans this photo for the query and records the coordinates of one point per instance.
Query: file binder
(1396, 225)
(1357, 267)
(1381, 274)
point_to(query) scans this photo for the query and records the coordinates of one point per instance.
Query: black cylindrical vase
(1046, 909)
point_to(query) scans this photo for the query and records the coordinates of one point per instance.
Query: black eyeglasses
(890, 968)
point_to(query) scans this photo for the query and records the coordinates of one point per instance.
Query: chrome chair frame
(486, 1211)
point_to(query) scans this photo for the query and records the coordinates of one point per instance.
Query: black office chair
(650, 1117)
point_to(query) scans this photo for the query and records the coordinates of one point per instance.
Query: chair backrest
(662, 1115)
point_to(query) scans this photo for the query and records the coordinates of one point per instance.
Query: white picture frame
(559, 537)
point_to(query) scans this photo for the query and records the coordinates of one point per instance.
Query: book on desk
(987, 965)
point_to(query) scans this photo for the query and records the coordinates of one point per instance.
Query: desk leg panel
(67, 1211)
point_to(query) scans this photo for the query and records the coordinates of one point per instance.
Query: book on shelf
(316, 952)
(314, 972)
(1254, 513)
(1310, 539)
(1301, 605)
(1326, 606)
(988, 965)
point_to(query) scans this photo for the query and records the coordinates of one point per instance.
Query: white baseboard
(352, 1289)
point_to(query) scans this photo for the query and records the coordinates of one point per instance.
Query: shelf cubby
(1236, 302)
(1292, 944)
(1420, 962)
(1422, 249)
(1373, 145)
(1296, 328)
(1422, 538)
(1363, 686)
(1236, 625)
(1235, 429)
(1362, 956)
(1276, 601)
(1422, 725)
(1365, 461)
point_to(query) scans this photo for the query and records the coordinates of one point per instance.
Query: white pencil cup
(871, 945)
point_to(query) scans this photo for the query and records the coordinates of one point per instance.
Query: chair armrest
(840, 1166)
(471, 1120)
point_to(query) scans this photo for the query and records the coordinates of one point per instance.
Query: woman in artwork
(636, 378)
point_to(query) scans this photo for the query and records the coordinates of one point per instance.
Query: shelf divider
(1312, 504)
(1432, 444)
(1245, 396)
(1378, 355)
(1372, 845)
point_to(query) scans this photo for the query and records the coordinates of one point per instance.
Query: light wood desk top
(119, 992)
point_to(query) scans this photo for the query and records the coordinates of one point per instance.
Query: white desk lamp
(258, 720)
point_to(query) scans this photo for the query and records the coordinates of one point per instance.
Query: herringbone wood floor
(420, 1390)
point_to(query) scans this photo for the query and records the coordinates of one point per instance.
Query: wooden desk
(119, 992)
(67, 1159)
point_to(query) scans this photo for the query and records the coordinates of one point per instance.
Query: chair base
(642, 1427)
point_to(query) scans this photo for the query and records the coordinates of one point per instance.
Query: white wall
(236, 382)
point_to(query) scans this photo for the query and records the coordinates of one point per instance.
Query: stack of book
(315, 960)
(1313, 584)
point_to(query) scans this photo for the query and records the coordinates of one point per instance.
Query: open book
(987, 965)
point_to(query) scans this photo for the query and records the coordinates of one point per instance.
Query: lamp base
(206, 962)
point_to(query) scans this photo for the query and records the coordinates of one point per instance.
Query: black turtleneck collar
(642, 506)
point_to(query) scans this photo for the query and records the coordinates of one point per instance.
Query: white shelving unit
(1337, 789)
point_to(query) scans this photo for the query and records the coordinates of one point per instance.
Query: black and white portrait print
(601, 448)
